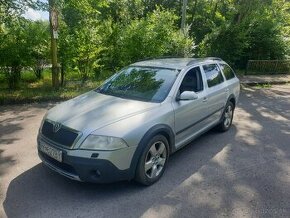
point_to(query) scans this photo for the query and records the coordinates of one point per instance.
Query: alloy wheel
(228, 116)
(155, 159)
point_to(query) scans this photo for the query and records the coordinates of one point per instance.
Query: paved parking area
(244, 172)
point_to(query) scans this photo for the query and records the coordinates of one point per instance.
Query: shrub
(153, 36)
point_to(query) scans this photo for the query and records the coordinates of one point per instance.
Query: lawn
(33, 90)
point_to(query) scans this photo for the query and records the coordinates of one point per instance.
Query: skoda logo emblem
(56, 126)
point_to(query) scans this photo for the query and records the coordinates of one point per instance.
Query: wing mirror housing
(187, 95)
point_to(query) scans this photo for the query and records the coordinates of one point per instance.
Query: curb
(264, 83)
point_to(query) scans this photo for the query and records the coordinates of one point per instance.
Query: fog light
(94, 155)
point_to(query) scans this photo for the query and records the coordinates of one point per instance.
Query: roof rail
(161, 57)
(213, 58)
(203, 59)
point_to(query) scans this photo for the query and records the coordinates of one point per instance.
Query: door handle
(204, 99)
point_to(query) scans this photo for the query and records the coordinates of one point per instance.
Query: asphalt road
(244, 172)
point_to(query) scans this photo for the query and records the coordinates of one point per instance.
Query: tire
(227, 118)
(155, 156)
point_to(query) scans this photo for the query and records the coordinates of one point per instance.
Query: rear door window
(228, 72)
(213, 74)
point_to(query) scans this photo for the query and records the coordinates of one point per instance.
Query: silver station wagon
(128, 127)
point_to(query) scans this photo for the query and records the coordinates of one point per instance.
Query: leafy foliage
(121, 38)
(150, 37)
(98, 37)
(24, 44)
(246, 29)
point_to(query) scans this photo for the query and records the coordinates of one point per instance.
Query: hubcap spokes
(228, 116)
(155, 159)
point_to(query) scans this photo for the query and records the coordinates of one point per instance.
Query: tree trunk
(13, 76)
(62, 74)
(194, 10)
(38, 69)
(183, 15)
(55, 68)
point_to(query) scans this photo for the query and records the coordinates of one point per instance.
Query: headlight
(96, 142)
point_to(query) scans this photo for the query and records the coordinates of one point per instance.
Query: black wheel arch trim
(153, 131)
(232, 96)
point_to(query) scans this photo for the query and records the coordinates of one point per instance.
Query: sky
(35, 15)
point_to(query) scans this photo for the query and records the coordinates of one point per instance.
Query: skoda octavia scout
(128, 127)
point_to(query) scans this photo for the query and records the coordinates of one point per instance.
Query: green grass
(263, 86)
(31, 90)
(28, 77)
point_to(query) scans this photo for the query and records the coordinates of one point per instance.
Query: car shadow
(39, 192)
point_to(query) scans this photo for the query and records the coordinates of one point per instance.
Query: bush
(227, 42)
(153, 36)
(257, 37)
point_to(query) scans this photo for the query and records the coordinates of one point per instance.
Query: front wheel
(153, 161)
(227, 118)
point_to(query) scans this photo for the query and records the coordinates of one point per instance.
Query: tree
(24, 44)
(83, 34)
(242, 29)
(14, 54)
(53, 21)
(153, 36)
(101, 36)
(38, 45)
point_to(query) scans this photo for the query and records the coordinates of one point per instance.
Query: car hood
(93, 110)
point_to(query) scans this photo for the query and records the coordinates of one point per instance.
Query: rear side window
(213, 74)
(228, 72)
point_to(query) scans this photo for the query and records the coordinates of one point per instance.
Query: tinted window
(192, 81)
(140, 83)
(213, 74)
(228, 72)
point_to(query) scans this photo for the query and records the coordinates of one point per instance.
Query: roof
(173, 63)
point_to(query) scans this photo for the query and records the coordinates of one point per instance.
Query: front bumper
(86, 170)
(89, 169)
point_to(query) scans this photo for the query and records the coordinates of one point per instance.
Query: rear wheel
(227, 118)
(153, 161)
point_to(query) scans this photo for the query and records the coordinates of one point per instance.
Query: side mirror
(188, 95)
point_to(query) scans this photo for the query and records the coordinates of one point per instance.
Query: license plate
(50, 151)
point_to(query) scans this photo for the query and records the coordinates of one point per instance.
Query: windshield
(140, 83)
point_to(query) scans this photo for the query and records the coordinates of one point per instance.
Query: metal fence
(268, 67)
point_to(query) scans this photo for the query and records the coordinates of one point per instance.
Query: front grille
(63, 136)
